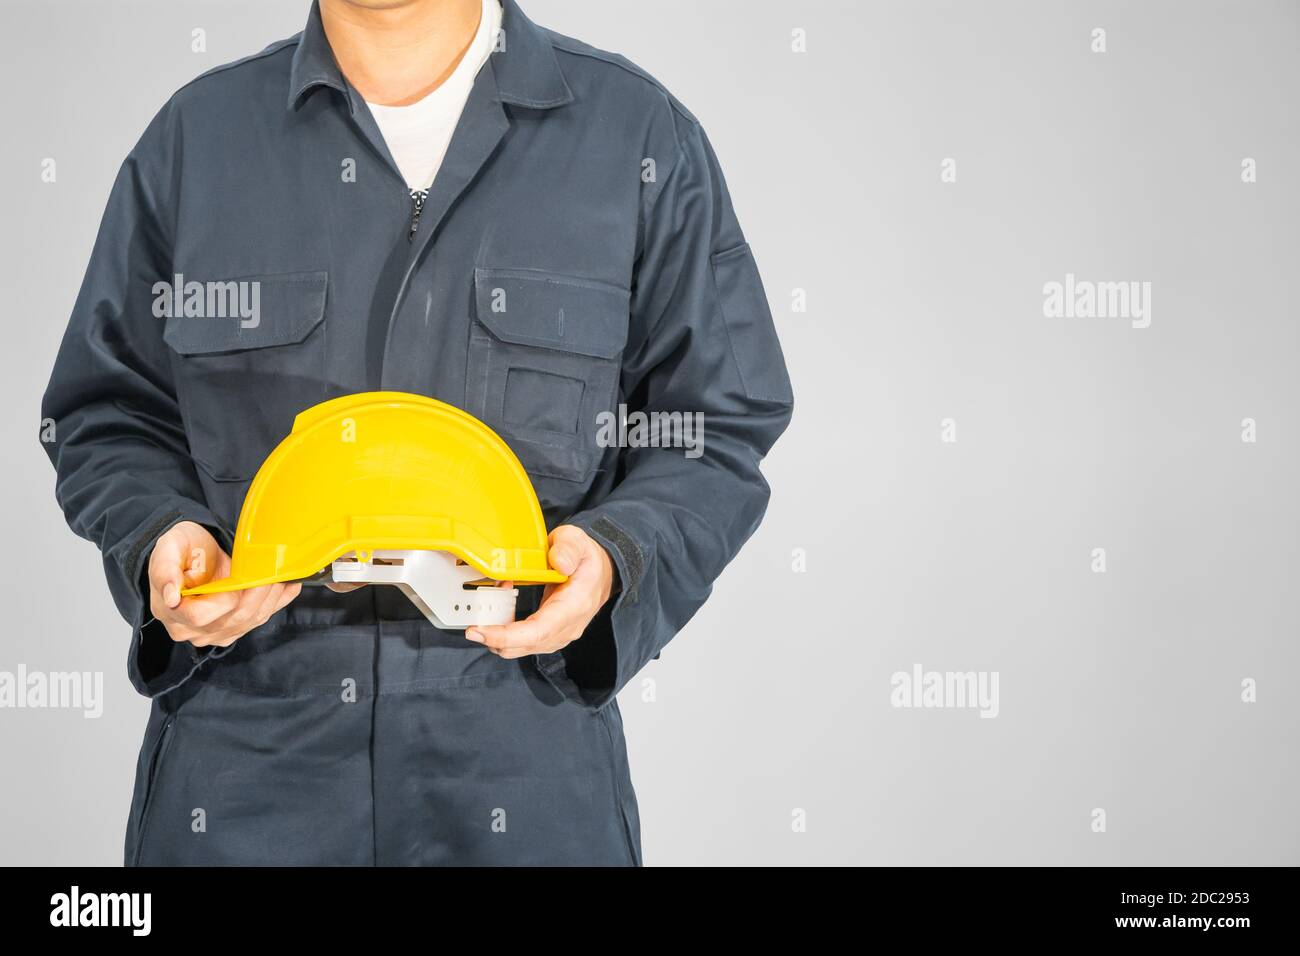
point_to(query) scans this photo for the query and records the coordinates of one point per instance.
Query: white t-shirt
(417, 135)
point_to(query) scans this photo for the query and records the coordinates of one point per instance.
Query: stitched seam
(155, 772)
(278, 47)
(475, 683)
(290, 331)
(752, 392)
(726, 326)
(601, 56)
(529, 104)
(678, 161)
(364, 627)
(731, 253)
(370, 743)
(516, 338)
(618, 787)
(559, 278)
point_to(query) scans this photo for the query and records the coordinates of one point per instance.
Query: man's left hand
(566, 609)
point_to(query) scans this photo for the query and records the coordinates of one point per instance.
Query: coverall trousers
(389, 744)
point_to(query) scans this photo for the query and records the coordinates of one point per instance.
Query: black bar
(209, 906)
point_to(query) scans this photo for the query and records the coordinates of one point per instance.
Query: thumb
(564, 558)
(199, 557)
(165, 569)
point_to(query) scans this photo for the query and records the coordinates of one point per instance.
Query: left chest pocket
(242, 380)
(544, 363)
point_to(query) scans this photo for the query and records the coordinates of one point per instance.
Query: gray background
(1118, 690)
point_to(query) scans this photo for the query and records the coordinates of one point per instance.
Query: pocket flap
(250, 312)
(554, 311)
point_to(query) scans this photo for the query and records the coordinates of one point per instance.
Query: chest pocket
(544, 362)
(242, 379)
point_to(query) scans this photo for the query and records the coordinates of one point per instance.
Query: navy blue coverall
(576, 187)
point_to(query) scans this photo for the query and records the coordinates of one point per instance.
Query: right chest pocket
(544, 362)
(241, 381)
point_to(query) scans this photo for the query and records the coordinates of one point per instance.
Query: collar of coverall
(527, 73)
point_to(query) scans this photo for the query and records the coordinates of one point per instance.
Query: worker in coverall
(302, 726)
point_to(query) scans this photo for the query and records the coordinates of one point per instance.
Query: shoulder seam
(679, 160)
(558, 42)
(271, 50)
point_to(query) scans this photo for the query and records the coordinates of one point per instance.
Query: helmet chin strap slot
(435, 583)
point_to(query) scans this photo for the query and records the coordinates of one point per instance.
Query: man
(405, 197)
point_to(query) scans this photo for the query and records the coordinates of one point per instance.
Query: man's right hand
(187, 556)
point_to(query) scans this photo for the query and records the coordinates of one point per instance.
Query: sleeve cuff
(590, 671)
(155, 663)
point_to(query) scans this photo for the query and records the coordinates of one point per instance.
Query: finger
(217, 614)
(280, 596)
(178, 632)
(565, 553)
(203, 556)
(268, 605)
(343, 587)
(592, 575)
(203, 610)
(185, 556)
(244, 616)
(544, 623)
(165, 569)
(291, 591)
(249, 615)
(202, 567)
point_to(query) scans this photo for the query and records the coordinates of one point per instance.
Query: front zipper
(418, 196)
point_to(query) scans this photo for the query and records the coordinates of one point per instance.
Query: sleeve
(702, 343)
(110, 419)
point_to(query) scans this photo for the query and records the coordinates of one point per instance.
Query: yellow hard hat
(388, 473)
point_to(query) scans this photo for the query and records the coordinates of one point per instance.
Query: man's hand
(566, 609)
(187, 556)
